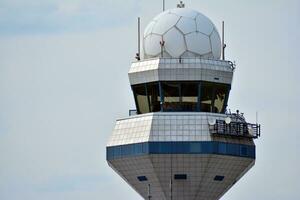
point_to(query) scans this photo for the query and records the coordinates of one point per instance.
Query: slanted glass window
(171, 95)
(220, 95)
(189, 93)
(206, 97)
(141, 98)
(154, 97)
(181, 96)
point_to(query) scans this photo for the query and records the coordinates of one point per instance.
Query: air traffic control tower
(182, 143)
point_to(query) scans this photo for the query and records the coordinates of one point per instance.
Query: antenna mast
(138, 54)
(223, 43)
(149, 192)
(181, 5)
(256, 117)
(171, 179)
(162, 44)
(164, 5)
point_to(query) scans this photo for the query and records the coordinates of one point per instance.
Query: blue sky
(63, 82)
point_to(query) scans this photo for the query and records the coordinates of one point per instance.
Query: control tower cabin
(181, 143)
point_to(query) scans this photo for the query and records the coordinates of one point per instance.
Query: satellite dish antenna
(212, 122)
(227, 120)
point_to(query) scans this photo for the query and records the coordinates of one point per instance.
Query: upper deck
(181, 69)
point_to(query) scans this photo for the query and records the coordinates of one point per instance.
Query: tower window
(180, 176)
(218, 178)
(154, 97)
(171, 93)
(219, 100)
(181, 97)
(142, 178)
(207, 91)
(189, 96)
(141, 98)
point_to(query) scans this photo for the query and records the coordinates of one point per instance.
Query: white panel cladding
(131, 130)
(174, 42)
(186, 12)
(186, 25)
(179, 127)
(202, 46)
(152, 44)
(130, 168)
(200, 171)
(215, 40)
(168, 126)
(188, 69)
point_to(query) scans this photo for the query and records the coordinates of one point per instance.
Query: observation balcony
(234, 125)
(238, 129)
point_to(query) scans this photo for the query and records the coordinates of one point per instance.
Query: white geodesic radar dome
(184, 33)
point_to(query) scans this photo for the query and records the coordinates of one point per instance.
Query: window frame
(200, 84)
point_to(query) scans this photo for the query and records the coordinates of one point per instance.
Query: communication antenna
(180, 5)
(223, 43)
(256, 117)
(138, 54)
(162, 44)
(164, 5)
(149, 192)
(171, 179)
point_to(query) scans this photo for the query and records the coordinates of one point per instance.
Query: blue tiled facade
(203, 147)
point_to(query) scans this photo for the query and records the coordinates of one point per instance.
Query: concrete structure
(182, 144)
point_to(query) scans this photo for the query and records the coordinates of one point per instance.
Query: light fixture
(227, 120)
(212, 122)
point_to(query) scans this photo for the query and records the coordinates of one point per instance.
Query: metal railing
(239, 129)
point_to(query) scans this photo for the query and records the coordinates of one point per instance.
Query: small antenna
(256, 117)
(223, 43)
(149, 192)
(162, 44)
(171, 179)
(138, 54)
(180, 5)
(164, 5)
